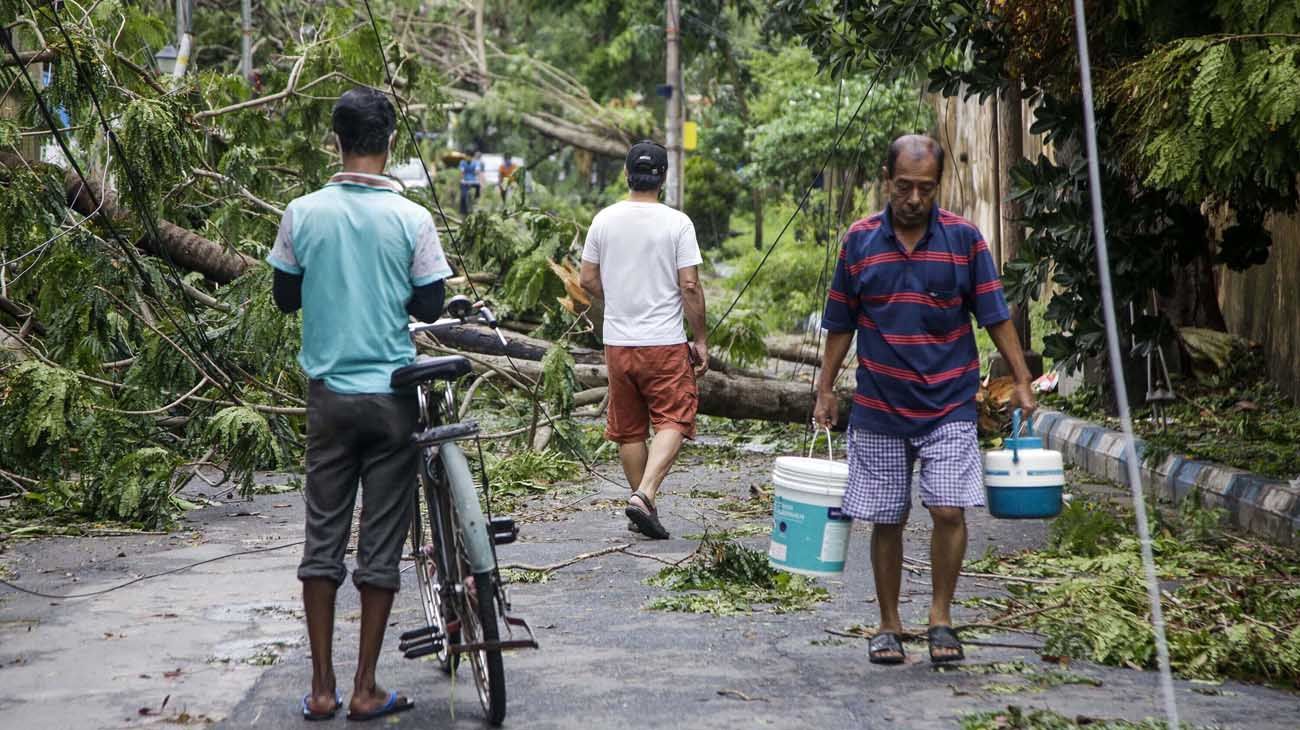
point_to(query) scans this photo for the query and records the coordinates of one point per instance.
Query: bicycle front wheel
(480, 627)
(477, 597)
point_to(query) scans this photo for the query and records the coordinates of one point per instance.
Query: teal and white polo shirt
(361, 247)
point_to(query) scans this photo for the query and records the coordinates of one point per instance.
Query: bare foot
(323, 699)
(367, 701)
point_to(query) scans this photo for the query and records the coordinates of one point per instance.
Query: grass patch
(758, 505)
(523, 575)
(527, 473)
(756, 435)
(1232, 605)
(1016, 718)
(749, 529)
(726, 578)
(1237, 418)
(1028, 678)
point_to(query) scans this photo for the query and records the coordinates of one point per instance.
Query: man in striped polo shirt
(907, 282)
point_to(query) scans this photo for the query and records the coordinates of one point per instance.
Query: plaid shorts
(881, 466)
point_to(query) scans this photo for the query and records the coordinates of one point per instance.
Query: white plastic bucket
(810, 533)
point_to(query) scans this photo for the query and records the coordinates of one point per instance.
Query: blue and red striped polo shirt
(918, 367)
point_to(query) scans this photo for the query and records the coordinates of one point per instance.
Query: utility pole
(184, 15)
(676, 105)
(246, 39)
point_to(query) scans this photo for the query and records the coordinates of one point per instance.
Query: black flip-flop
(645, 516)
(391, 707)
(307, 714)
(886, 641)
(944, 637)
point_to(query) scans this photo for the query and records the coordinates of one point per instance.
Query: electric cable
(808, 190)
(201, 349)
(1131, 459)
(150, 576)
(455, 246)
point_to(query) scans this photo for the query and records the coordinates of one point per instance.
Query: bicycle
(453, 545)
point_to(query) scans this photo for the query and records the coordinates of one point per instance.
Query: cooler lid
(1023, 442)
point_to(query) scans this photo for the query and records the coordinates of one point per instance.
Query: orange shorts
(649, 385)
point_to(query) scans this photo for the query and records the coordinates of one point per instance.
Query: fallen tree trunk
(582, 136)
(764, 399)
(183, 247)
(482, 340)
(797, 352)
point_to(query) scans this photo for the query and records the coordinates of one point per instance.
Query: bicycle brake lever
(490, 319)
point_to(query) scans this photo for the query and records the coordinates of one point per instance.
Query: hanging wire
(1117, 370)
(195, 338)
(829, 224)
(455, 245)
(803, 200)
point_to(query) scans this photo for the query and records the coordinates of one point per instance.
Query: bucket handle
(1016, 428)
(829, 455)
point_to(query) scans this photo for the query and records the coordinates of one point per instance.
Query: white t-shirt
(639, 248)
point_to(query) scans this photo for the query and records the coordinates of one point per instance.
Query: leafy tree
(711, 194)
(1196, 112)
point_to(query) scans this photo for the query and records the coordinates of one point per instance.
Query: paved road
(605, 662)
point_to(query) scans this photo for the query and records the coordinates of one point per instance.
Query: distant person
(471, 171)
(357, 257)
(642, 259)
(506, 177)
(907, 283)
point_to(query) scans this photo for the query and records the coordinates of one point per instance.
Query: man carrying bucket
(907, 282)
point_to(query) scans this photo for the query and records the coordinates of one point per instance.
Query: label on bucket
(807, 537)
(835, 542)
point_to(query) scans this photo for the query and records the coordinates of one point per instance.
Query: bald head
(915, 147)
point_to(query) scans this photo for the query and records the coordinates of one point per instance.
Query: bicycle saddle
(429, 368)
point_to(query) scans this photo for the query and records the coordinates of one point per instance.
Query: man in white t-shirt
(642, 259)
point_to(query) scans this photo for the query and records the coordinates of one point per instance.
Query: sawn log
(728, 396)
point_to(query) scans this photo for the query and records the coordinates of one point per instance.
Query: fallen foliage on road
(1232, 605)
(1016, 718)
(726, 578)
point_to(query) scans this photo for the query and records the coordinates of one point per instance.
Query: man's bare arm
(826, 411)
(688, 280)
(1007, 340)
(590, 280)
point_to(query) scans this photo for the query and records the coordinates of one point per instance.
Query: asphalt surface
(225, 645)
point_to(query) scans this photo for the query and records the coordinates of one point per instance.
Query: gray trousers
(351, 439)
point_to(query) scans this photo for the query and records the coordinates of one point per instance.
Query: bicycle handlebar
(484, 315)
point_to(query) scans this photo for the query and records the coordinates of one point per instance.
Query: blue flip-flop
(391, 707)
(307, 714)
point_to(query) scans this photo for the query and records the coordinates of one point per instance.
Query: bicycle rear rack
(500, 645)
(439, 435)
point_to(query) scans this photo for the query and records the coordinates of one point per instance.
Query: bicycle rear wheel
(430, 526)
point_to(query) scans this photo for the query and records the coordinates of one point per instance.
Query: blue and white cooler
(1022, 480)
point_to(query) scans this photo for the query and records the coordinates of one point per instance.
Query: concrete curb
(1268, 508)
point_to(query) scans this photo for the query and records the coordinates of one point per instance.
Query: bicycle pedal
(424, 631)
(423, 650)
(409, 645)
(503, 530)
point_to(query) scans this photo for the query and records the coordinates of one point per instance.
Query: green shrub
(711, 193)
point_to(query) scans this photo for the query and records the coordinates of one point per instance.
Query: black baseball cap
(647, 158)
